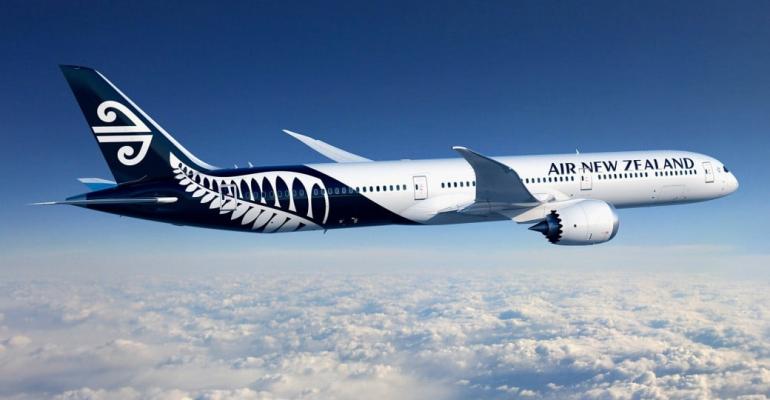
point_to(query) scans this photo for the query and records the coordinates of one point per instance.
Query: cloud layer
(527, 335)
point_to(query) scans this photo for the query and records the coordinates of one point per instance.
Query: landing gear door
(585, 180)
(420, 187)
(708, 171)
(227, 196)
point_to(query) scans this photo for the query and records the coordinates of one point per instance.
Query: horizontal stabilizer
(97, 183)
(96, 202)
(327, 150)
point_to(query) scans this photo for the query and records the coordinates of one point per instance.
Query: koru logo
(127, 155)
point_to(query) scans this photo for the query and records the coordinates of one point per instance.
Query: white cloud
(458, 335)
(17, 341)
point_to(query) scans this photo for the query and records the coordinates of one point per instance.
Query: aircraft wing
(498, 186)
(327, 150)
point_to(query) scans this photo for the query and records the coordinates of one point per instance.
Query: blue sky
(385, 80)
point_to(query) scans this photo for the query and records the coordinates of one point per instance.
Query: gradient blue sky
(385, 80)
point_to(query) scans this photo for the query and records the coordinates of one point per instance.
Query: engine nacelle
(582, 223)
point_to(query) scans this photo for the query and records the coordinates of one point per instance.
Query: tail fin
(134, 145)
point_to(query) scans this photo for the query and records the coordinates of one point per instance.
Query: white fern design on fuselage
(262, 210)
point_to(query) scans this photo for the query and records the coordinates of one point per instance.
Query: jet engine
(577, 224)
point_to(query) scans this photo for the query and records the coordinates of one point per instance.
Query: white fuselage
(435, 188)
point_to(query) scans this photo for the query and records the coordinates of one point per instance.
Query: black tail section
(135, 147)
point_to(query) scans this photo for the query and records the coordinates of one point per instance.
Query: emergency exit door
(420, 187)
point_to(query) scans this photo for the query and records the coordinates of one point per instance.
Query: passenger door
(585, 179)
(708, 170)
(420, 187)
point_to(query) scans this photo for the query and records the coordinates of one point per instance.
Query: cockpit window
(725, 167)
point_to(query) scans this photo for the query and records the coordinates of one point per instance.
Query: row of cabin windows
(284, 194)
(647, 174)
(550, 179)
(624, 175)
(677, 173)
(383, 188)
(458, 184)
(228, 190)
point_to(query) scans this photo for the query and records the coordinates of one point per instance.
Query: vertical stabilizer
(133, 144)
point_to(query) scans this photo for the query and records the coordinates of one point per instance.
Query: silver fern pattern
(241, 201)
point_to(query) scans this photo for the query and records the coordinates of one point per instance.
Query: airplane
(570, 198)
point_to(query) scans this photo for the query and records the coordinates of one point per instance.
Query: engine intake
(583, 223)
